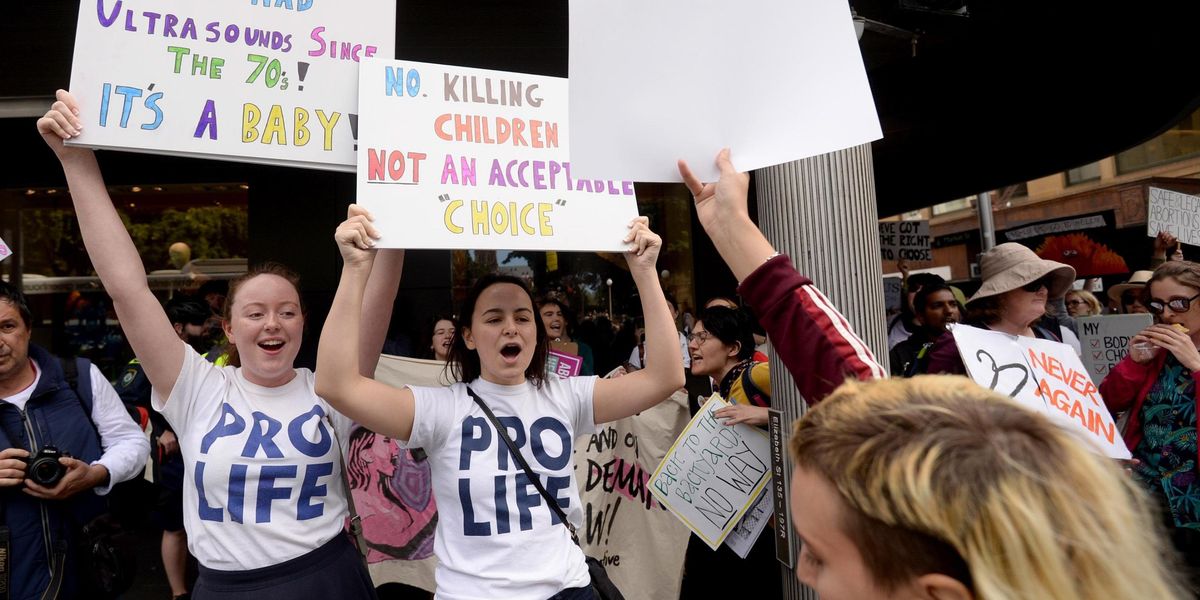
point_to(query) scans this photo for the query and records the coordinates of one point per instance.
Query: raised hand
(717, 204)
(644, 245)
(60, 123)
(356, 237)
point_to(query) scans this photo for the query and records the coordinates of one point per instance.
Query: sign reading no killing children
(713, 473)
(267, 81)
(1046, 377)
(453, 157)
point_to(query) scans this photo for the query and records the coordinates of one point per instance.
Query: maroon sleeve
(1120, 388)
(810, 336)
(944, 357)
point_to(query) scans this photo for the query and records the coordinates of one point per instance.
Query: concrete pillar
(821, 212)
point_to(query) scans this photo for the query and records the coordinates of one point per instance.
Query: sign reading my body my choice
(269, 81)
(453, 157)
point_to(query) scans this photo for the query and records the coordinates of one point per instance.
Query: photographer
(56, 459)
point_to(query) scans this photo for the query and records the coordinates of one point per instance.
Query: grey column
(821, 212)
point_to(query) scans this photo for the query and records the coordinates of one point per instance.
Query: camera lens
(44, 469)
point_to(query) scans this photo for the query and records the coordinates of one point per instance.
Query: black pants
(334, 570)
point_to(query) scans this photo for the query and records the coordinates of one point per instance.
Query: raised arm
(378, 300)
(624, 396)
(377, 406)
(813, 339)
(111, 250)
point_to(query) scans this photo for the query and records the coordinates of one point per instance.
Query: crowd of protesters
(925, 485)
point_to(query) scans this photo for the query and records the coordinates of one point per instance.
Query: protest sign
(742, 538)
(650, 84)
(5, 251)
(1046, 377)
(713, 473)
(453, 157)
(1104, 340)
(641, 544)
(1085, 242)
(400, 535)
(1173, 212)
(905, 240)
(270, 81)
(563, 364)
(892, 287)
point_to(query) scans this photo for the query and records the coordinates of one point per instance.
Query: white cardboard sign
(713, 473)
(1104, 340)
(454, 157)
(1173, 212)
(1046, 377)
(265, 81)
(654, 82)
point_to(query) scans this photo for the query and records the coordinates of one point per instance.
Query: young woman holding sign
(496, 535)
(1157, 383)
(265, 504)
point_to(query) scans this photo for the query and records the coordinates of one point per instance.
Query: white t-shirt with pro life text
(263, 478)
(496, 536)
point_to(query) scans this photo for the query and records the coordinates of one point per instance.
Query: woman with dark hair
(439, 333)
(496, 536)
(559, 322)
(722, 347)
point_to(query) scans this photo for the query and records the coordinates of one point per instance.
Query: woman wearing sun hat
(1016, 287)
(1128, 295)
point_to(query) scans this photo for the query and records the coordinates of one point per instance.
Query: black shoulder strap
(755, 395)
(516, 454)
(81, 386)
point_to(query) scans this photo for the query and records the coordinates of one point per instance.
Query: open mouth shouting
(511, 352)
(271, 346)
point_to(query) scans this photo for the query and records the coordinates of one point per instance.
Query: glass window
(954, 205)
(1088, 172)
(1178, 142)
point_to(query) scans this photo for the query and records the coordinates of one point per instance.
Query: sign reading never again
(269, 81)
(453, 157)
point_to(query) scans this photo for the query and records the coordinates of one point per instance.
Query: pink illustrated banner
(563, 364)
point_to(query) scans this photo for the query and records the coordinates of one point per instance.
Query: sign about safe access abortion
(713, 473)
(461, 158)
(265, 81)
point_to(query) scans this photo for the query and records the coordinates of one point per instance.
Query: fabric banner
(271, 82)
(393, 489)
(1084, 242)
(641, 544)
(1046, 377)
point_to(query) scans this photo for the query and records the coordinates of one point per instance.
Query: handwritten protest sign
(453, 157)
(270, 81)
(1104, 340)
(892, 286)
(563, 364)
(1174, 212)
(1043, 375)
(641, 544)
(905, 240)
(713, 473)
(653, 82)
(5, 251)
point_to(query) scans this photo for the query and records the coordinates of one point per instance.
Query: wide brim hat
(1136, 281)
(1012, 266)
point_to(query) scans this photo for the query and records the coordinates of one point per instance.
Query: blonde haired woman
(934, 487)
(1082, 303)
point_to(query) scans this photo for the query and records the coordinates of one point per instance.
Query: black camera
(44, 468)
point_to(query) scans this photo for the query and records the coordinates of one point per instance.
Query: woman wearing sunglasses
(1156, 383)
(1016, 287)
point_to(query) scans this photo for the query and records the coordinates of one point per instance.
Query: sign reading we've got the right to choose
(905, 240)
